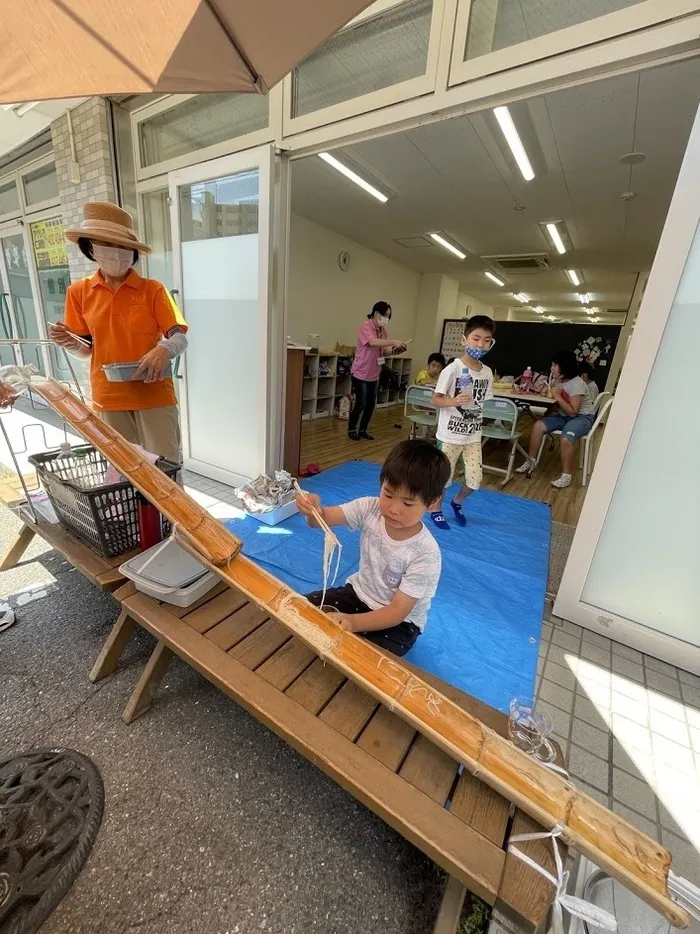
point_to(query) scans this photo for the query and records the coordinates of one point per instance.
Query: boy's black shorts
(397, 640)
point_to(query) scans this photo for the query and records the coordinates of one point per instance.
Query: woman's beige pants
(156, 430)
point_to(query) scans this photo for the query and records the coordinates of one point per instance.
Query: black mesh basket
(104, 517)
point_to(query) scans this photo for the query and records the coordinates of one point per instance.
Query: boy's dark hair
(587, 369)
(567, 363)
(480, 321)
(436, 358)
(85, 247)
(379, 308)
(418, 467)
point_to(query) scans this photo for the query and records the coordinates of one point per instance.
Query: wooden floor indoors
(325, 442)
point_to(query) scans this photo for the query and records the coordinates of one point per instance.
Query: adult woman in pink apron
(373, 345)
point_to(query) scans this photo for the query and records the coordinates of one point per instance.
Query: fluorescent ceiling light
(584, 298)
(353, 176)
(573, 276)
(490, 275)
(448, 246)
(505, 121)
(555, 237)
(539, 309)
(521, 297)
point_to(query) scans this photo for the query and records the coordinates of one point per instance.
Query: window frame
(394, 94)
(216, 150)
(616, 25)
(36, 206)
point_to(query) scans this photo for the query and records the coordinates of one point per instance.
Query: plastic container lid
(171, 567)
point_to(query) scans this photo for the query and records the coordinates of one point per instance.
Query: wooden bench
(415, 787)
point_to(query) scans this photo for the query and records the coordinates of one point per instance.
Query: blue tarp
(484, 624)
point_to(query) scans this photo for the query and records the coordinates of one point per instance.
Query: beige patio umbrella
(78, 48)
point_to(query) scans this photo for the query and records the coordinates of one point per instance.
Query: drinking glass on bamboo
(529, 727)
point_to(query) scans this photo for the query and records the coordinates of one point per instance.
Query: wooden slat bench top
(383, 761)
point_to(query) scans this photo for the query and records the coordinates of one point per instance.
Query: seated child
(574, 416)
(428, 377)
(387, 600)
(587, 374)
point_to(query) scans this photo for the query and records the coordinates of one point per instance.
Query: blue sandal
(440, 521)
(459, 515)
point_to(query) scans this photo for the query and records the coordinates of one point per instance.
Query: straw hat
(103, 220)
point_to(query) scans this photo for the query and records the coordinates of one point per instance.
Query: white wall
(476, 307)
(327, 301)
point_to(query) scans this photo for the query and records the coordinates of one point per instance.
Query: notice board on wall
(520, 344)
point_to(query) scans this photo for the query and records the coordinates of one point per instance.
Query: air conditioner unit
(518, 263)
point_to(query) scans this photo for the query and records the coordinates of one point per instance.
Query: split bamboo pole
(628, 855)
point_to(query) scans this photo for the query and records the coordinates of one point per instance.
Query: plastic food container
(167, 572)
(124, 372)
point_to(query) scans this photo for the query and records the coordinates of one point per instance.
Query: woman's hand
(306, 501)
(153, 364)
(60, 335)
(7, 395)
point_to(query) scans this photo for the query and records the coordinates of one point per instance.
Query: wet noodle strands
(331, 545)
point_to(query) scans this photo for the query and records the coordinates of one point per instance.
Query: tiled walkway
(629, 726)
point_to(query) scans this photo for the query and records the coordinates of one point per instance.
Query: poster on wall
(49, 243)
(452, 331)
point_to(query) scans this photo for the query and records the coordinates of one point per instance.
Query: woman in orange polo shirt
(116, 316)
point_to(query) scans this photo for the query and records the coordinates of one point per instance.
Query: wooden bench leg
(450, 907)
(142, 695)
(13, 554)
(111, 652)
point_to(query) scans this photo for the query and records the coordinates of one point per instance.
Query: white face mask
(112, 260)
(383, 321)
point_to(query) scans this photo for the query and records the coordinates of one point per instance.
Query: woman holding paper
(373, 344)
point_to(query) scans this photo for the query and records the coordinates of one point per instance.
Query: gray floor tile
(563, 639)
(688, 678)
(692, 715)
(595, 638)
(594, 793)
(630, 708)
(691, 695)
(686, 859)
(598, 694)
(560, 656)
(624, 651)
(562, 676)
(672, 755)
(670, 727)
(669, 706)
(631, 735)
(637, 763)
(563, 743)
(588, 737)
(546, 633)
(668, 821)
(585, 710)
(663, 684)
(694, 738)
(655, 664)
(634, 793)
(632, 689)
(650, 828)
(571, 628)
(561, 721)
(551, 693)
(595, 654)
(628, 669)
(594, 771)
(540, 667)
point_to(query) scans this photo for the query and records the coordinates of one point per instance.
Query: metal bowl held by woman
(124, 372)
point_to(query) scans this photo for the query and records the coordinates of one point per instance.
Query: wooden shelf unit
(323, 388)
(401, 366)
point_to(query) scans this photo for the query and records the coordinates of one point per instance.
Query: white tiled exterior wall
(93, 153)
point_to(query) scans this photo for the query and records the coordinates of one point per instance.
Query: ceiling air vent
(519, 263)
(413, 243)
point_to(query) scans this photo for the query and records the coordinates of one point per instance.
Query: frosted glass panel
(499, 24)
(646, 565)
(220, 279)
(156, 228)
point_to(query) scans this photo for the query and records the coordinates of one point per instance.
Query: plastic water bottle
(527, 378)
(464, 384)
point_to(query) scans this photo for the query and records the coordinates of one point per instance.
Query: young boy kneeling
(387, 600)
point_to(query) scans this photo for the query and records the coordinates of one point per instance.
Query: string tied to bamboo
(578, 907)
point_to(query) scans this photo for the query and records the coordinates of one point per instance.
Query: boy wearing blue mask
(461, 389)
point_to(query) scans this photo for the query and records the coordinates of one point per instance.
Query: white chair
(418, 407)
(585, 441)
(504, 413)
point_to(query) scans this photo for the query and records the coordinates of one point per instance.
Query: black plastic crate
(104, 517)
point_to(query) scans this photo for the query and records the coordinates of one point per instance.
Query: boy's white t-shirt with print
(454, 427)
(412, 566)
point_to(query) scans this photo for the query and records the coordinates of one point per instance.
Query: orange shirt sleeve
(168, 315)
(73, 312)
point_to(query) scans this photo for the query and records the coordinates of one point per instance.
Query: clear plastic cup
(529, 728)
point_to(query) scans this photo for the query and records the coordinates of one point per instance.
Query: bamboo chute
(628, 855)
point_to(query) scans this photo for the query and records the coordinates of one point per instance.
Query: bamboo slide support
(628, 855)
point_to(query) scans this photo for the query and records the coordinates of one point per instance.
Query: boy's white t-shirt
(453, 426)
(412, 566)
